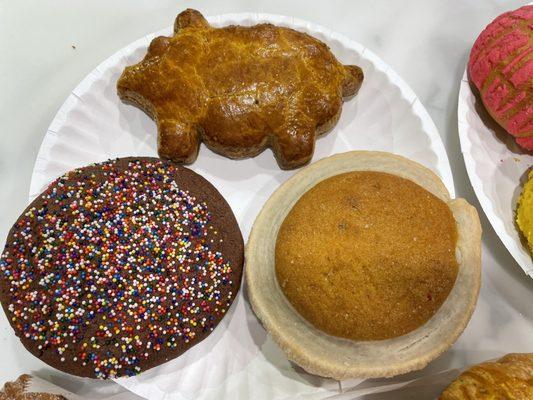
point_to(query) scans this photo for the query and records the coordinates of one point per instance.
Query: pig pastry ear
(190, 19)
(158, 46)
(353, 78)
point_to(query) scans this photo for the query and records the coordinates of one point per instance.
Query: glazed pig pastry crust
(239, 90)
(509, 378)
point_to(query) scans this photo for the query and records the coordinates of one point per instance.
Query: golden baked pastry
(379, 256)
(325, 227)
(509, 378)
(239, 90)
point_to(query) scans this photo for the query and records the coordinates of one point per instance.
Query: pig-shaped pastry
(239, 90)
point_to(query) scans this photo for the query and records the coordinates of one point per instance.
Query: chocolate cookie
(120, 266)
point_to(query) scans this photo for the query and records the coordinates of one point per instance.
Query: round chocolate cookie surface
(120, 266)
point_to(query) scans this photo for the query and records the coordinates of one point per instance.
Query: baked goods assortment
(120, 266)
(509, 378)
(361, 265)
(501, 69)
(239, 90)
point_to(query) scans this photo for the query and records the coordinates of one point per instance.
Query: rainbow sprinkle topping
(113, 265)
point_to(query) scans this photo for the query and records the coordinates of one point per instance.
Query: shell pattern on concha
(501, 68)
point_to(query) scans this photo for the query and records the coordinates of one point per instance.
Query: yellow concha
(524, 212)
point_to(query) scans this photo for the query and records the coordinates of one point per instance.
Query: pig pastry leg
(294, 142)
(177, 141)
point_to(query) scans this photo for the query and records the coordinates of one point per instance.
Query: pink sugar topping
(501, 68)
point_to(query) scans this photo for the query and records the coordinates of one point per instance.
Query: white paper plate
(497, 168)
(238, 360)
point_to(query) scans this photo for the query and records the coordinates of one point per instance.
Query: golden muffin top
(367, 255)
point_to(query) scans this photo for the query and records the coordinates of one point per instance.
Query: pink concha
(501, 68)
(525, 142)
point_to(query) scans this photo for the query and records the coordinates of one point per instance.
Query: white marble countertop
(49, 46)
